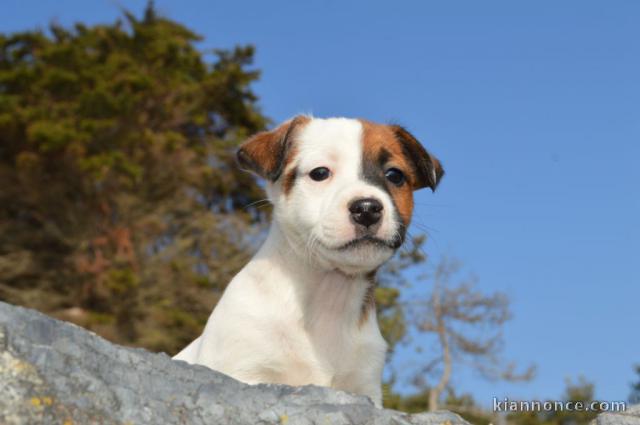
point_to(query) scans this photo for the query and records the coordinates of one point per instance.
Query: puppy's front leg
(189, 353)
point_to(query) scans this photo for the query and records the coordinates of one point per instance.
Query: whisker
(309, 245)
(258, 202)
(424, 204)
(425, 229)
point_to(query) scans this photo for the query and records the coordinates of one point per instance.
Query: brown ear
(427, 168)
(265, 152)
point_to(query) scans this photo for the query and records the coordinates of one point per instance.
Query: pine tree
(121, 207)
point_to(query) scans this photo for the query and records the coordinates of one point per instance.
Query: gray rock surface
(629, 417)
(56, 372)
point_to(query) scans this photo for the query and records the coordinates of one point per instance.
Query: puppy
(302, 310)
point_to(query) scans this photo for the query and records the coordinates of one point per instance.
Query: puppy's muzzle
(366, 214)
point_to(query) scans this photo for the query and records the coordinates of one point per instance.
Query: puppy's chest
(330, 327)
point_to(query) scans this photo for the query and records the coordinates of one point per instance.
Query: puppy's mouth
(370, 240)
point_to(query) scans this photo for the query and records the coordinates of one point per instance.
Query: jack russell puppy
(302, 311)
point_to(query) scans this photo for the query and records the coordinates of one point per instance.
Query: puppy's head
(342, 189)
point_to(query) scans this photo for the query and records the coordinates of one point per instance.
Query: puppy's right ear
(266, 152)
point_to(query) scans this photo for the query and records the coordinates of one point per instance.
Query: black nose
(366, 211)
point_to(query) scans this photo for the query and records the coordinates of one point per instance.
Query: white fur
(292, 315)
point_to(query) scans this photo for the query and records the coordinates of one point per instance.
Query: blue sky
(533, 108)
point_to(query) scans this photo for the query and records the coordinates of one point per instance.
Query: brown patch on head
(382, 151)
(268, 153)
(289, 179)
(387, 147)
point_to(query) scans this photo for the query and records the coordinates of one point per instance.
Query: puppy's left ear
(266, 152)
(427, 168)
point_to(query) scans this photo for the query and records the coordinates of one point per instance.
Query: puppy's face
(342, 188)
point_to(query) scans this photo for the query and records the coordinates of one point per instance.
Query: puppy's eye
(395, 176)
(320, 173)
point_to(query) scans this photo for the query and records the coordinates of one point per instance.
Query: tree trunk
(435, 392)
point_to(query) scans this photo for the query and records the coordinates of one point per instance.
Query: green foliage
(634, 397)
(580, 391)
(411, 403)
(466, 406)
(121, 207)
(391, 312)
(417, 402)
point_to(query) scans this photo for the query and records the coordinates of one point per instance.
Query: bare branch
(467, 323)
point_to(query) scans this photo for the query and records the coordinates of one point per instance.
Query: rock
(56, 372)
(631, 416)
